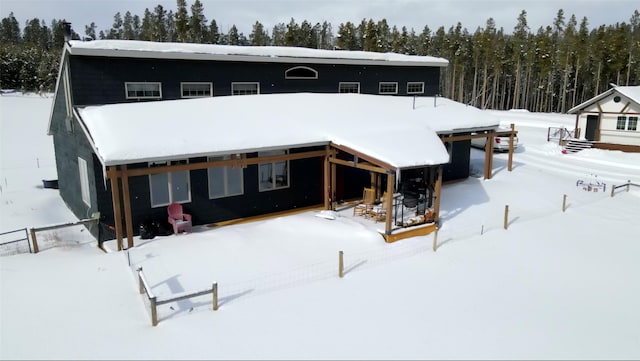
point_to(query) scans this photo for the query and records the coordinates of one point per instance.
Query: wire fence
(15, 242)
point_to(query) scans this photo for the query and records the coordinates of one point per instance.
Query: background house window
(301, 72)
(386, 87)
(196, 90)
(143, 90)
(273, 175)
(622, 122)
(84, 181)
(169, 187)
(245, 88)
(633, 123)
(349, 87)
(225, 181)
(415, 87)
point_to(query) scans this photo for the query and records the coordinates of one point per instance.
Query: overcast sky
(410, 13)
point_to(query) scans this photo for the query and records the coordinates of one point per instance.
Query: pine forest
(549, 69)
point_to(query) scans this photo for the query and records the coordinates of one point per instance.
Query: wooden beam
(364, 166)
(220, 163)
(391, 183)
(488, 155)
(126, 199)
(368, 158)
(117, 215)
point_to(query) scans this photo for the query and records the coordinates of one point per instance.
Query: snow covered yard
(554, 285)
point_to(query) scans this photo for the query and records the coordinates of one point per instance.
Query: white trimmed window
(349, 87)
(273, 175)
(415, 87)
(84, 181)
(151, 90)
(301, 72)
(245, 88)
(622, 122)
(167, 188)
(225, 181)
(196, 90)
(633, 123)
(388, 87)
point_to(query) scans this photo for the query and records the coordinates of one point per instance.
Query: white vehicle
(500, 143)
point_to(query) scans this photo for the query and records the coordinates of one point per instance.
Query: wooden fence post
(628, 185)
(215, 296)
(341, 264)
(34, 240)
(564, 202)
(613, 189)
(154, 311)
(506, 216)
(140, 283)
(435, 240)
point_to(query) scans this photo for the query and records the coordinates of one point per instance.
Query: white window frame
(273, 175)
(226, 170)
(131, 84)
(629, 120)
(170, 186)
(84, 181)
(623, 119)
(348, 83)
(187, 84)
(306, 68)
(413, 84)
(233, 91)
(383, 84)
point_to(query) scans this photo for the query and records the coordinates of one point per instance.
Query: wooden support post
(127, 206)
(154, 311)
(327, 180)
(613, 189)
(334, 201)
(506, 216)
(388, 203)
(340, 264)
(117, 213)
(214, 291)
(488, 155)
(140, 283)
(34, 240)
(628, 185)
(510, 161)
(435, 239)
(438, 191)
(564, 203)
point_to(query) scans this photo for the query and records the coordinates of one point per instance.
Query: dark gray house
(106, 115)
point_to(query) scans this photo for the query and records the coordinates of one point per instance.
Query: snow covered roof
(391, 129)
(630, 92)
(282, 54)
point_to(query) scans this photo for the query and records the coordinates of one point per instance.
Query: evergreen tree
(292, 35)
(278, 34)
(198, 24)
(170, 25)
(258, 36)
(182, 22)
(383, 40)
(146, 31)
(159, 24)
(116, 31)
(424, 41)
(233, 37)
(10, 30)
(347, 39)
(90, 31)
(370, 36)
(214, 33)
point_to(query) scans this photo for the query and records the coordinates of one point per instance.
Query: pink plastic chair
(180, 221)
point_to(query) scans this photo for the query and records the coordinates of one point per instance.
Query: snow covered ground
(555, 285)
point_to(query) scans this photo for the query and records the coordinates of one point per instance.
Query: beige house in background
(610, 120)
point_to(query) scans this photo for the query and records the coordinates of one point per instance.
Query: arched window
(301, 72)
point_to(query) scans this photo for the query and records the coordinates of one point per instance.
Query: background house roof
(401, 131)
(283, 54)
(630, 92)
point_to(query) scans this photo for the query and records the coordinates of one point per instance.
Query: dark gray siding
(99, 80)
(458, 167)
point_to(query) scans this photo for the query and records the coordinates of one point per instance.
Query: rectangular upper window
(245, 88)
(196, 90)
(273, 175)
(143, 90)
(633, 123)
(387, 87)
(415, 87)
(225, 181)
(622, 122)
(349, 87)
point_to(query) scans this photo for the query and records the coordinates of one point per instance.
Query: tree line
(550, 70)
